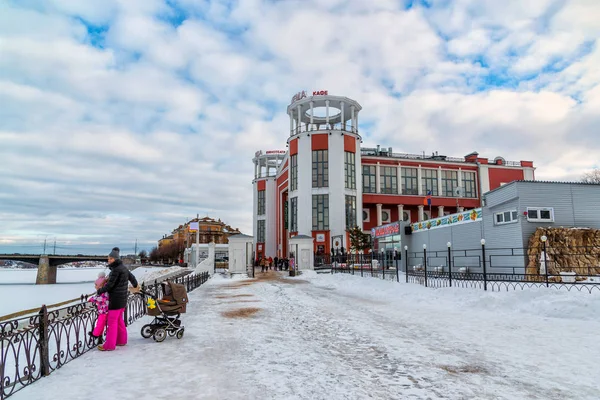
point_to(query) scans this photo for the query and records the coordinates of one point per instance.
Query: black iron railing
(34, 346)
(494, 269)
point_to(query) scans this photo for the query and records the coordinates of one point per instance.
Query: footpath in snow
(346, 337)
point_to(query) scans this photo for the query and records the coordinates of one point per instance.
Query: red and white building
(326, 183)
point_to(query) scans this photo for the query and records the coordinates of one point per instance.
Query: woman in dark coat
(117, 289)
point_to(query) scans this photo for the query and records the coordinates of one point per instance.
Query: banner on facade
(386, 230)
(193, 226)
(448, 220)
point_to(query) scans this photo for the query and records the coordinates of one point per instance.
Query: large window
(320, 212)
(369, 177)
(320, 168)
(410, 181)
(294, 214)
(260, 234)
(506, 217)
(350, 212)
(389, 180)
(350, 170)
(540, 214)
(294, 172)
(449, 183)
(468, 181)
(261, 202)
(430, 181)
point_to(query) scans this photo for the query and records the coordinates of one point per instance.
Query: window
(540, 214)
(389, 180)
(294, 172)
(366, 215)
(449, 183)
(386, 216)
(320, 212)
(260, 231)
(350, 170)
(294, 214)
(369, 179)
(410, 181)
(320, 168)
(468, 181)
(506, 217)
(350, 212)
(261, 202)
(429, 178)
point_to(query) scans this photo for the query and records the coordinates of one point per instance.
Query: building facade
(326, 183)
(211, 230)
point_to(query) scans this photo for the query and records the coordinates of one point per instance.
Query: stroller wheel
(171, 332)
(160, 334)
(147, 331)
(180, 333)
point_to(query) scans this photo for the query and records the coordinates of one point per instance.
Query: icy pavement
(346, 337)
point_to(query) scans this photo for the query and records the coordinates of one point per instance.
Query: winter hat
(114, 253)
(101, 279)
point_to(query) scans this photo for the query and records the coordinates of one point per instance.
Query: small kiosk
(387, 244)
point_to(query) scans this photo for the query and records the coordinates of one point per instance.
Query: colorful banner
(386, 230)
(454, 219)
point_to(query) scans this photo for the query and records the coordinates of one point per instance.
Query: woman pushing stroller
(117, 288)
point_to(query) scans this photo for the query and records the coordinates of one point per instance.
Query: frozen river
(19, 292)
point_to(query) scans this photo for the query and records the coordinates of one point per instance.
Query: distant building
(211, 230)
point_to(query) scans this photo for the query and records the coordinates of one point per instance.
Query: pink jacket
(101, 302)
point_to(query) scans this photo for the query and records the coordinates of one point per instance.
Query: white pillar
(342, 121)
(379, 219)
(421, 214)
(291, 123)
(420, 182)
(312, 104)
(461, 209)
(352, 119)
(460, 181)
(399, 179)
(377, 179)
(327, 113)
(401, 212)
(439, 181)
(299, 123)
(440, 211)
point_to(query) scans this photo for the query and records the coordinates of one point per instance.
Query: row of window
(410, 181)
(534, 214)
(320, 170)
(320, 212)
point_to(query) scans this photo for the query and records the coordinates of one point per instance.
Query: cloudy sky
(119, 119)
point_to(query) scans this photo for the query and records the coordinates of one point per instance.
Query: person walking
(117, 289)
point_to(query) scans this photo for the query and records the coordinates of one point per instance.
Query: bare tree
(592, 176)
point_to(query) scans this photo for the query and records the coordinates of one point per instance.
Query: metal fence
(494, 269)
(35, 346)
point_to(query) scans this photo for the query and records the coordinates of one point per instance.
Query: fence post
(546, 266)
(126, 312)
(156, 288)
(449, 262)
(372, 251)
(406, 262)
(397, 267)
(484, 264)
(360, 262)
(383, 263)
(425, 262)
(43, 338)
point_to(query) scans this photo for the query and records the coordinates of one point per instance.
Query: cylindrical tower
(325, 175)
(264, 213)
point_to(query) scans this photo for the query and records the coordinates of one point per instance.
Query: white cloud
(161, 121)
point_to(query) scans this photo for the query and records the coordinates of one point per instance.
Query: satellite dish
(458, 191)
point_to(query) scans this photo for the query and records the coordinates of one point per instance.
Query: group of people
(110, 300)
(267, 263)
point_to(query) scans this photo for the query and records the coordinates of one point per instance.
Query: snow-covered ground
(346, 337)
(19, 292)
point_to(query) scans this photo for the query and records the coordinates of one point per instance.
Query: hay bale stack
(568, 250)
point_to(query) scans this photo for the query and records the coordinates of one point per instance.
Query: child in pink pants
(101, 302)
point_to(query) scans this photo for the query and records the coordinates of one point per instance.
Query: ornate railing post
(449, 263)
(126, 312)
(425, 262)
(484, 264)
(397, 267)
(546, 266)
(43, 341)
(156, 288)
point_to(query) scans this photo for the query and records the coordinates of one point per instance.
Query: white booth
(301, 246)
(240, 253)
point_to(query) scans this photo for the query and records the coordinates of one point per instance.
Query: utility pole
(135, 251)
(54, 246)
(44, 246)
(197, 254)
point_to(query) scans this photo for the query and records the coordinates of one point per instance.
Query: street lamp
(544, 238)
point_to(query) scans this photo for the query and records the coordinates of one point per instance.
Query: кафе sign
(302, 94)
(386, 230)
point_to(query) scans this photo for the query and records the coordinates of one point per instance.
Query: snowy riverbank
(346, 337)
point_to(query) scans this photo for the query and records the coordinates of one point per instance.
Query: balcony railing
(383, 152)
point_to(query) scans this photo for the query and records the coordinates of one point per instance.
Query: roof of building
(545, 182)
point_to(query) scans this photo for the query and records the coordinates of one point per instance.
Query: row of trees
(592, 176)
(167, 252)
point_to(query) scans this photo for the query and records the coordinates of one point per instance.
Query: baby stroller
(166, 312)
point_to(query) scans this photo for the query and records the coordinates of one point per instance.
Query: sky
(122, 119)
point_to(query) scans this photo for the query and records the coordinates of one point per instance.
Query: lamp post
(449, 263)
(382, 262)
(360, 261)
(406, 262)
(544, 238)
(425, 262)
(396, 261)
(484, 264)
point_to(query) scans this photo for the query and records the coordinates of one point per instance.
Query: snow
(161, 274)
(346, 337)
